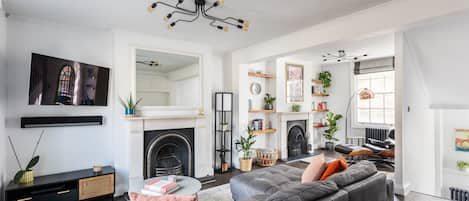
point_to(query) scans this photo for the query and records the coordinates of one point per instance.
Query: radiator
(376, 134)
(459, 194)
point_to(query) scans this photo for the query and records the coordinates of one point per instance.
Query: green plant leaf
(18, 176)
(32, 163)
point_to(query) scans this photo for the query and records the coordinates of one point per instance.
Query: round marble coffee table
(189, 185)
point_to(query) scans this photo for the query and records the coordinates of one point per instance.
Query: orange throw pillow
(335, 166)
(315, 169)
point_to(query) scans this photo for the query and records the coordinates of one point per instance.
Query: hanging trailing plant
(326, 78)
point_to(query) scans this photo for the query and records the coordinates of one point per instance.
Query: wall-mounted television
(56, 81)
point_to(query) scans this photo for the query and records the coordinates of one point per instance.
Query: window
(379, 111)
(65, 86)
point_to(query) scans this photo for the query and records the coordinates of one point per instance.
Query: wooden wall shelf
(320, 110)
(261, 111)
(317, 81)
(319, 126)
(261, 75)
(266, 131)
(320, 95)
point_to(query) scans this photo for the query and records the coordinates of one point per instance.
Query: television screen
(57, 81)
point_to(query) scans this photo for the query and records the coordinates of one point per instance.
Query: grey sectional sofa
(360, 182)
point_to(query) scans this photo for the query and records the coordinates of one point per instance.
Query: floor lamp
(364, 94)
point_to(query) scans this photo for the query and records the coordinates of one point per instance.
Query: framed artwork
(294, 83)
(462, 140)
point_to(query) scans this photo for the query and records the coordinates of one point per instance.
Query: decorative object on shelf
(257, 124)
(97, 168)
(266, 157)
(256, 88)
(201, 9)
(296, 108)
(330, 132)
(225, 126)
(269, 102)
(463, 166)
(130, 105)
(294, 81)
(342, 57)
(246, 143)
(26, 176)
(249, 104)
(326, 79)
(364, 94)
(462, 140)
(223, 156)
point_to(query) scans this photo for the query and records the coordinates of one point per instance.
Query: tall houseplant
(130, 105)
(246, 143)
(269, 102)
(326, 78)
(330, 132)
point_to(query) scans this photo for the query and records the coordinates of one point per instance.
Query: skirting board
(402, 189)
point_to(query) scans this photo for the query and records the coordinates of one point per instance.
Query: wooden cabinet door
(96, 186)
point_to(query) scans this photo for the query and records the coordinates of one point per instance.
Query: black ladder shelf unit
(223, 153)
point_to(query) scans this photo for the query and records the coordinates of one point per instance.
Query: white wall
(62, 149)
(3, 95)
(418, 128)
(212, 75)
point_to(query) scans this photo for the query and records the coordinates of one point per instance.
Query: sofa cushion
(354, 173)
(333, 167)
(315, 169)
(264, 181)
(307, 191)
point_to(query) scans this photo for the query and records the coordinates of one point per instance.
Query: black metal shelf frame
(223, 138)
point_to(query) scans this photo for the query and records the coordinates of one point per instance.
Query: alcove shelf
(317, 81)
(261, 111)
(320, 95)
(266, 131)
(320, 110)
(261, 75)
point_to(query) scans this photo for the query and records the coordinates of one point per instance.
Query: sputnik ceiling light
(201, 9)
(341, 56)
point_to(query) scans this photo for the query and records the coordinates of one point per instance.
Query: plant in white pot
(245, 161)
(463, 166)
(331, 130)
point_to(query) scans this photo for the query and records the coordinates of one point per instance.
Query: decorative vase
(224, 167)
(245, 165)
(269, 107)
(130, 112)
(330, 146)
(27, 178)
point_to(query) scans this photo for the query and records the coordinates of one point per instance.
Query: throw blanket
(139, 197)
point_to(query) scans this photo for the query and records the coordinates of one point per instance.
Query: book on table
(160, 187)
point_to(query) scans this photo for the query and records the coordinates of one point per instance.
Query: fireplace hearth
(169, 152)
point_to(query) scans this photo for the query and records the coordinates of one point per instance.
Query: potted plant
(245, 161)
(295, 108)
(269, 102)
(26, 175)
(330, 132)
(463, 166)
(326, 78)
(130, 105)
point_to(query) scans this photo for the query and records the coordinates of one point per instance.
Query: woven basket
(266, 158)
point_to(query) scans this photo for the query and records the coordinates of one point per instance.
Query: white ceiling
(269, 18)
(167, 62)
(375, 46)
(441, 48)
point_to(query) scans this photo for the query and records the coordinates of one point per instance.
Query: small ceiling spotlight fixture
(201, 9)
(341, 56)
(153, 63)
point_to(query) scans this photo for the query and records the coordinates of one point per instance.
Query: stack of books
(159, 187)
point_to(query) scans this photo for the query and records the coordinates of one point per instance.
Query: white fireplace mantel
(284, 117)
(202, 141)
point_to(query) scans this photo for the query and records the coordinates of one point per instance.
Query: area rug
(219, 193)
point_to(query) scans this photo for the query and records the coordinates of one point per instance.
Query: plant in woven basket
(26, 175)
(246, 143)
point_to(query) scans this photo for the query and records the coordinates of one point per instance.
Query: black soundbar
(41, 122)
